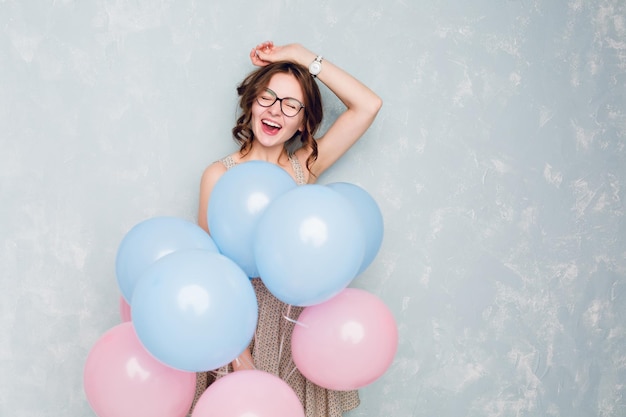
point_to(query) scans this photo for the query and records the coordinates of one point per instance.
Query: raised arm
(362, 104)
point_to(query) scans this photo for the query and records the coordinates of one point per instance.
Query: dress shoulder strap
(228, 162)
(297, 169)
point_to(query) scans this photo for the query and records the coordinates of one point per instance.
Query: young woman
(281, 110)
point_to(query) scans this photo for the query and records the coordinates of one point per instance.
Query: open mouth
(270, 127)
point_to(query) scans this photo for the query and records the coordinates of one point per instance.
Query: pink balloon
(124, 309)
(121, 379)
(345, 343)
(249, 393)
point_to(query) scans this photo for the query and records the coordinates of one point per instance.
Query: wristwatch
(316, 66)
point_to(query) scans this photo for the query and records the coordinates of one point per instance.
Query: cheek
(255, 115)
(255, 110)
(301, 123)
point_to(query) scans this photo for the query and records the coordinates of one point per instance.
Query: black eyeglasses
(288, 105)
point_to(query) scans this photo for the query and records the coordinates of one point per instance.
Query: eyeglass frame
(276, 98)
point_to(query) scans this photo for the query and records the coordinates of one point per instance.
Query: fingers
(256, 59)
(266, 46)
(259, 55)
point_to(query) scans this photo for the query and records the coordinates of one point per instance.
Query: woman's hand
(264, 48)
(266, 53)
(244, 361)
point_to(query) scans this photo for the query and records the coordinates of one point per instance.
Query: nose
(275, 108)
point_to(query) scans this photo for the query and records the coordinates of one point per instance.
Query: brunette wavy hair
(256, 82)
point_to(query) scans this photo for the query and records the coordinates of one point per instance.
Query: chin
(270, 142)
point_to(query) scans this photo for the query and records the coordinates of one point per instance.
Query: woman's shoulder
(216, 169)
(224, 163)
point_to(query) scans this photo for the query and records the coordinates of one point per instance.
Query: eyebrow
(274, 92)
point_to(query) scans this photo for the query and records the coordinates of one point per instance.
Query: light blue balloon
(308, 245)
(370, 216)
(238, 200)
(194, 310)
(152, 239)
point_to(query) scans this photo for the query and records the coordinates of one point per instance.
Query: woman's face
(270, 125)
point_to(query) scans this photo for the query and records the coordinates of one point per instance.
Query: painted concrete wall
(498, 161)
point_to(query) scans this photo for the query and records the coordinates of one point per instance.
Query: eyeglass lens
(288, 105)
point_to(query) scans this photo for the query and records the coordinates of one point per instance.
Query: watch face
(315, 67)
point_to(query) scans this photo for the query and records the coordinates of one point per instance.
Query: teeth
(270, 123)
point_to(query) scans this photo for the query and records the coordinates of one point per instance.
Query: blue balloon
(194, 310)
(238, 200)
(308, 245)
(152, 239)
(369, 215)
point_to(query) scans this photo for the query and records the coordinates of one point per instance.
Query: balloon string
(219, 372)
(299, 323)
(246, 362)
(290, 373)
(289, 319)
(225, 371)
(282, 334)
(280, 349)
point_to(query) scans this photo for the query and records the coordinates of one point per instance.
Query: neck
(275, 155)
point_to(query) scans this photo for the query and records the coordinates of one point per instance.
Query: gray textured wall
(498, 161)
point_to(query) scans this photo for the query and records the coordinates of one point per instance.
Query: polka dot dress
(271, 349)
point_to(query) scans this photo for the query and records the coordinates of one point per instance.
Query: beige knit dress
(271, 347)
